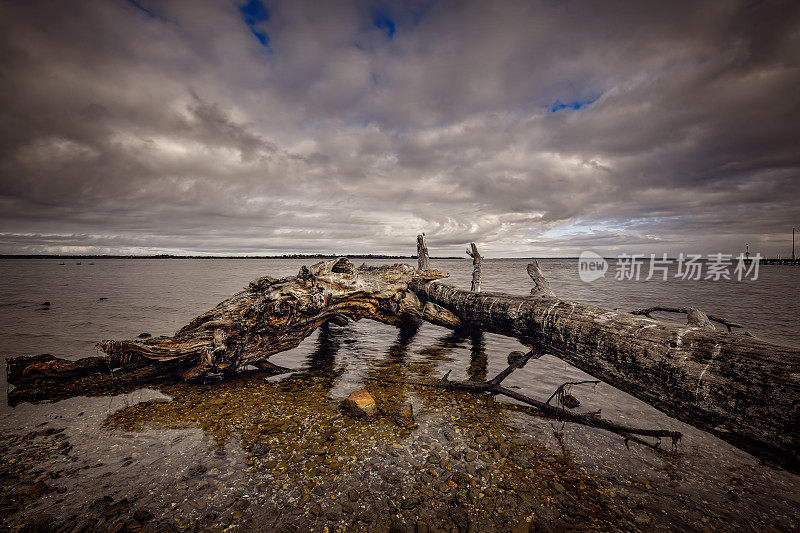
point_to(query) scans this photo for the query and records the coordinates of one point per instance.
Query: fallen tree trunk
(744, 390)
(269, 316)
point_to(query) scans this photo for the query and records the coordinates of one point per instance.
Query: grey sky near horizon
(532, 128)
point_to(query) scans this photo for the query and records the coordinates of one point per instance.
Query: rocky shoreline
(256, 453)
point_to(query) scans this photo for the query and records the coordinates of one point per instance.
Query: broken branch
(689, 311)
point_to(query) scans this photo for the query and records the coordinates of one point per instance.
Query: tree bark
(744, 390)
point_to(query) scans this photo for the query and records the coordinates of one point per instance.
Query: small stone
(460, 517)
(641, 518)
(460, 479)
(404, 416)
(338, 320)
(196, 470)
(360, 405)
(570, 402)
(241, 505)
(142, 515)
(434, 459)
(409, 503)
(558, 487)
(144, 335)
(545, 513)
(353, 495)
(470, 456)
(481, 439)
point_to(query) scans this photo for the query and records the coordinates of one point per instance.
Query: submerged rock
(404, 416)
(360, 405)
(570, 402)
(144, 335)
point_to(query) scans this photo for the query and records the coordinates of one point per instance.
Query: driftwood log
(737, 387)
(744, 390)
(269, 316)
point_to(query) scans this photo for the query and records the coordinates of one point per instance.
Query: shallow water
(252, 429)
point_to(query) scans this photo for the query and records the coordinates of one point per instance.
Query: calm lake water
(117, 299)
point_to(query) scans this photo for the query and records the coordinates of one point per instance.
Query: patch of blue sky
(578, 228)
(391, 16)
(146, 10)
(255, 14)
(574, 105)
(382, 19)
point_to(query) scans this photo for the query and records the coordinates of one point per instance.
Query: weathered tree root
(494, 387)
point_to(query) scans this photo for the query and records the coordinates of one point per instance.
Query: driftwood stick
(593, 421)
(514, 363)
(569, 384)
(493, 387)
(477, 260)
(687, 311)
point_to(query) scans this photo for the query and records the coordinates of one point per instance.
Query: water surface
(137, 442)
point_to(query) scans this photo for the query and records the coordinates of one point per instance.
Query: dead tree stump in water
(422, 253)
(477, 261)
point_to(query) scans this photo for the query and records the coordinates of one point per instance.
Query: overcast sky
(532, 128)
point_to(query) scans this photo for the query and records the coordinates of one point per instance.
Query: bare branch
(542, 287)
(695, 316)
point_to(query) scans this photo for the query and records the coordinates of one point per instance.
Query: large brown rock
(360, 405)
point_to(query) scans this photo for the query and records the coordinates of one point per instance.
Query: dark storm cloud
(532, 128)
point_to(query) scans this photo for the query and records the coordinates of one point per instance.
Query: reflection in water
(303, 450)
(291, 430)
(384, 377)
(478, 361)
(322, 359)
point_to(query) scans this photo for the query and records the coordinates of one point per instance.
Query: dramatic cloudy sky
(532, 128)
